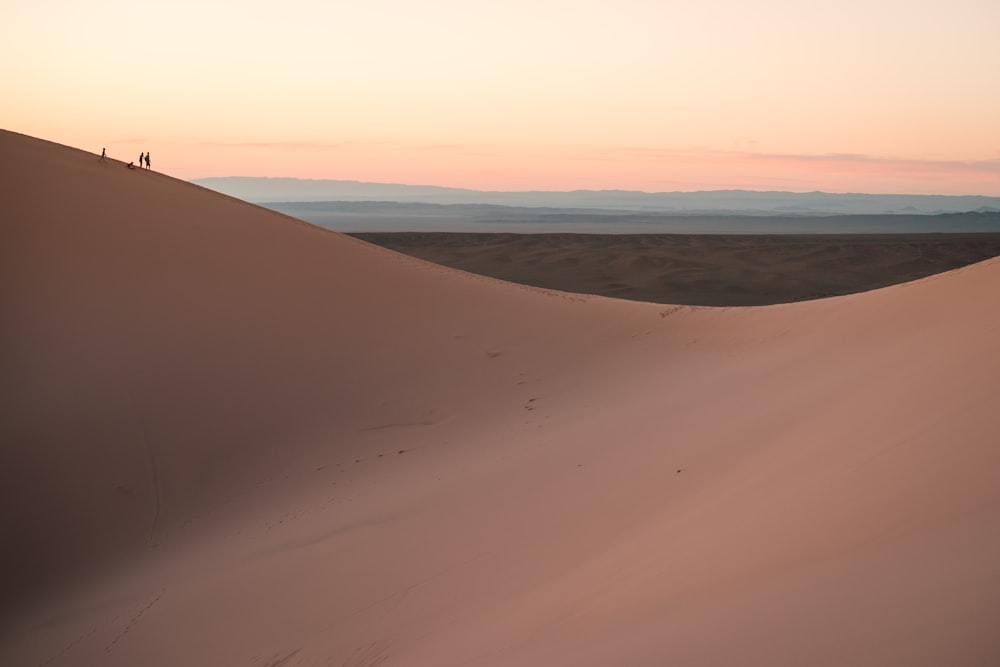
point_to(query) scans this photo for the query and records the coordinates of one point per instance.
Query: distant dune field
(708, 270)
(230, 438)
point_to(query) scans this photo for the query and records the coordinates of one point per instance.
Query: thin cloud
(987, 166)
(433, 148)
(280, 145)
(990, 166)
(331, 145)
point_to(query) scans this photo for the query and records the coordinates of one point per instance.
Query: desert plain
(699, 269)
(233, 438)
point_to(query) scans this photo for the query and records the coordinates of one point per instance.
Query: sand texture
(230, 438)
(699, 269)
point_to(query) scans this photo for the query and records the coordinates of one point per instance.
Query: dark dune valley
(699, 269)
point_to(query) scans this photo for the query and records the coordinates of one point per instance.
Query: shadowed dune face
(181, 344)
(232, 438)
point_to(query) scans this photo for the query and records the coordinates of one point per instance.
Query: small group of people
(143, 157)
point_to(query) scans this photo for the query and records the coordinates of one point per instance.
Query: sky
(880, 96)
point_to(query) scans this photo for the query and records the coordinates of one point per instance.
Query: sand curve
(235, 439)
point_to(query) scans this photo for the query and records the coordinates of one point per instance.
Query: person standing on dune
(142, 156)
(147, 159)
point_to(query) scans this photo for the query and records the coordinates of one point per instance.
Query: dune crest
(231, 438)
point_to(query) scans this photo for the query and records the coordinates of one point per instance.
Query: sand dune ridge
(234, 439)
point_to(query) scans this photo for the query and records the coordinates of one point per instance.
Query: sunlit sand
(231, 438)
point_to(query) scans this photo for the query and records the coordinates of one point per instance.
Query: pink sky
(859, 95)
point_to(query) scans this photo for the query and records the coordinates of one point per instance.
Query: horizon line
(591, 190)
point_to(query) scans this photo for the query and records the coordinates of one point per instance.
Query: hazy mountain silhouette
(272, 190)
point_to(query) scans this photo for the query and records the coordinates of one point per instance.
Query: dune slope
(230, 438)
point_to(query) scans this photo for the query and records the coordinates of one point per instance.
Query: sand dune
(699, 269)
(234, 439)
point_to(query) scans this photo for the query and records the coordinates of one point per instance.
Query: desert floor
(708, 270)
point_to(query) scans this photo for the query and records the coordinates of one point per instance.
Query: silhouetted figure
(142, 156)
(104, 154)
(131, 165)
(147, 159)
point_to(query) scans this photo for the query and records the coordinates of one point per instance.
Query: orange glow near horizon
(511, 169)
(860, 96)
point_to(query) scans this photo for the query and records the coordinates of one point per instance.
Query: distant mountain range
(709, 202)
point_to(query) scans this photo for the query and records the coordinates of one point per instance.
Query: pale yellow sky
(853, 95)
